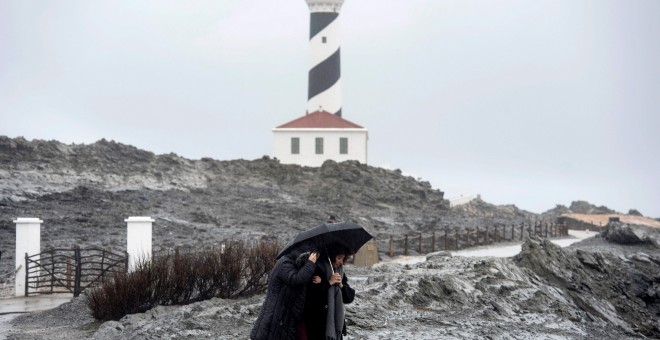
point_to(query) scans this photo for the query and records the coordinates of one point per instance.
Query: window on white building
(295, 145)
(343, 145)
(319, 145)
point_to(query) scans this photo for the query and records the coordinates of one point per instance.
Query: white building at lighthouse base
(318, 136)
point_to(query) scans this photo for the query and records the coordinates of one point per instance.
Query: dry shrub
(179, 278)
(255, 271)
(126, 293)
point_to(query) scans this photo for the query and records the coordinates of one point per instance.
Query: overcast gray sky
(532, 103)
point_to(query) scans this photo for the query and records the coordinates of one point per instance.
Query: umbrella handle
(331, 268)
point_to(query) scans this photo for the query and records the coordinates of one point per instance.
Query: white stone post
(28, 240)
(138, 240)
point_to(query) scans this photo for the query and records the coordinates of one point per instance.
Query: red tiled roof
(320, 119)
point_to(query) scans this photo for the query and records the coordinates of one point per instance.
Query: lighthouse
(322, 133)
(324, 87)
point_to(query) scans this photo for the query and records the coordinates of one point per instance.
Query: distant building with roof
(320, 135)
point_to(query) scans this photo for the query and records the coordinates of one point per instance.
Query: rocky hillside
(85, 187)
(83, 193)
(577, 207)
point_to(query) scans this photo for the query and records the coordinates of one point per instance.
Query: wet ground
(457, 297)
(15, 306)
(10, 308)
(32, 304)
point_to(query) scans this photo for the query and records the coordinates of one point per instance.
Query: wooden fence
(457, 239)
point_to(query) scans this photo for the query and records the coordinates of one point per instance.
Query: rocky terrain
(605, 287)
(83, 193)
(602, 288)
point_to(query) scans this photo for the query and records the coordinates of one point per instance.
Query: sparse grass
(179, 278)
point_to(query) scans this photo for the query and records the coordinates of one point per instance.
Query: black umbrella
(348, 234)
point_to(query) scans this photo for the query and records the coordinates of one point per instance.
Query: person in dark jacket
(327, 293)
(281, 312)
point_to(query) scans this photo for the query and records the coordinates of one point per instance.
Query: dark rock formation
(583, 207)
(620, 289)
(631, 234)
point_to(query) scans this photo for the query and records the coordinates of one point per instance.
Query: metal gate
(71, 270)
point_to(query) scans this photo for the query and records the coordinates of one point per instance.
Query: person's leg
(301, 331)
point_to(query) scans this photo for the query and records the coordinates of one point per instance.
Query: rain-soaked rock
(631, 234)
(548, 260)
(602, 285)
(109, 330)
(438, 255)
(500, 309)
(641, 257)
(587, 259)
(437, 289)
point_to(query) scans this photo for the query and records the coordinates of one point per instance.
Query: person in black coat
(327, 293)
(281, 312)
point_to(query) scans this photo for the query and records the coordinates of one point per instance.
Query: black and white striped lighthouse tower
(324, 89)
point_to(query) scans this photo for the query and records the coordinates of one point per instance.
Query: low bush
(179, 278)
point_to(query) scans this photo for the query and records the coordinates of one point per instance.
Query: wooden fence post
(496, 236)
(487, 238)
(456, 239)
(420, 244)
(405, 249)
(522, 230)
(433, 243)
(391, 246)
(446, 239)
(467, 238)
(513, 232)
(546, 230)
(478, 236)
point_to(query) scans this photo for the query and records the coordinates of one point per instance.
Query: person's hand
(335, 279)
(316, 279)
(313, 256)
